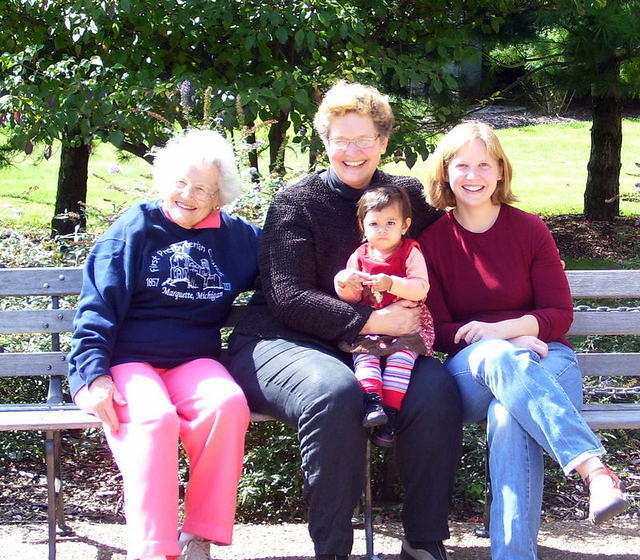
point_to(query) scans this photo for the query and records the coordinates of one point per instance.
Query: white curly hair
(197, 147)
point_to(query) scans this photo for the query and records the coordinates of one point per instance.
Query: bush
(271, 486)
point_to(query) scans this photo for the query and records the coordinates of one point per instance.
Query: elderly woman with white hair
(157, 287)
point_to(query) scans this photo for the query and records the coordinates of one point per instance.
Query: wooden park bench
(39, 308)
(42, 309)
(600, 367)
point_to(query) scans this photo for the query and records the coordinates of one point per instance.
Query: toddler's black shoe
(374, 414)
(385, 434)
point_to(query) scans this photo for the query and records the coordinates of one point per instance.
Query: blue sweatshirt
(155, 292)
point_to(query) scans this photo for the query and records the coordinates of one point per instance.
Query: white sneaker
(196, 549)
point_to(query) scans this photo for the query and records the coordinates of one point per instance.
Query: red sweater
(511, 270)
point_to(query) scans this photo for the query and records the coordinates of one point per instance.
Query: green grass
(550, 163)
(28, 187)
(590, 264)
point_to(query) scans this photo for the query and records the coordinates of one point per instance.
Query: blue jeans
(315, 391)
(529, 404)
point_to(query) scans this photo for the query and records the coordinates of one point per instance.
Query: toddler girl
(385, 269)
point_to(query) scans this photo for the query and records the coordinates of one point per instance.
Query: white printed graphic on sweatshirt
(186, 270)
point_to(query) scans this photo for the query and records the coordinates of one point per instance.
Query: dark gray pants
(316, 392)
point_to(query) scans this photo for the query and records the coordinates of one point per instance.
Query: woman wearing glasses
(157, 287)
(285, 353)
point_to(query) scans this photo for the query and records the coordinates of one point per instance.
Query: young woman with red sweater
(502, 307)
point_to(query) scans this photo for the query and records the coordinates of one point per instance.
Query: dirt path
(559, 540)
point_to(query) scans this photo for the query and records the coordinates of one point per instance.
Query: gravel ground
(559, 540)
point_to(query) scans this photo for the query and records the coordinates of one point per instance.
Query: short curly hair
(197, 147)
(440, 194)
(348, 97)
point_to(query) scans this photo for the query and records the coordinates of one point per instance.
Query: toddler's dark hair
(377, 198)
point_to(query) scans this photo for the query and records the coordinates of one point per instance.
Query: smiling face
(353, 165)
(384, 228)
(194, 195)
(473, 175)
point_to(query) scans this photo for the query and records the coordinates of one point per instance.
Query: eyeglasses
(361, 142)
(199, 193)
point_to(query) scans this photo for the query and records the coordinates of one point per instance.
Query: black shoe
(385, 434)
(433, 550)
(331, 557)
(374, 414)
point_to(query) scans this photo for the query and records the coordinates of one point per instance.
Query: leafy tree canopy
(83, 69)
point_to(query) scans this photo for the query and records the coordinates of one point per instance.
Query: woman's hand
(473, 331)
(103, 393)
(531, 343)
(478, 330)
(399, 318)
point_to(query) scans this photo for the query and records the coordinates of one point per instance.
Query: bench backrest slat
(16, 364)
(605, 322)
(61, 320)
(67, 281)
(601, 284)
(610, 364)
(37, 321)
(40, 281)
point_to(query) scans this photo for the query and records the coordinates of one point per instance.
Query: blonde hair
(197, 147)
(345, 97)
(440, 193)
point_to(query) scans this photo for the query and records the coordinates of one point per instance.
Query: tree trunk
(72, 190)
(602, 193)
(277, 143)
(253, 154)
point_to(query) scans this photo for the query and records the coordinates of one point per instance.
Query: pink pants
(199, 403)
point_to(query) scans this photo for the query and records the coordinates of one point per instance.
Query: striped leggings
(391, 384)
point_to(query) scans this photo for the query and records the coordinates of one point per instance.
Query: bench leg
(368, 510)
(484, 530)
(49, 449)
(63, 529)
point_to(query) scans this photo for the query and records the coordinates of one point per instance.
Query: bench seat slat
(40, 281)
(612, 364)
(612, 416)
(605, 322)
(59, 417)
(601, 284)
(45, 417)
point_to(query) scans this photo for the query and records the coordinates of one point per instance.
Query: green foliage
(469, 492)
(79, 70)
(271, 486)
(565, 45)
(65, 73)
(29, 249)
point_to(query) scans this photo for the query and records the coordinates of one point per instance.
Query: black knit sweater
(309, 233)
